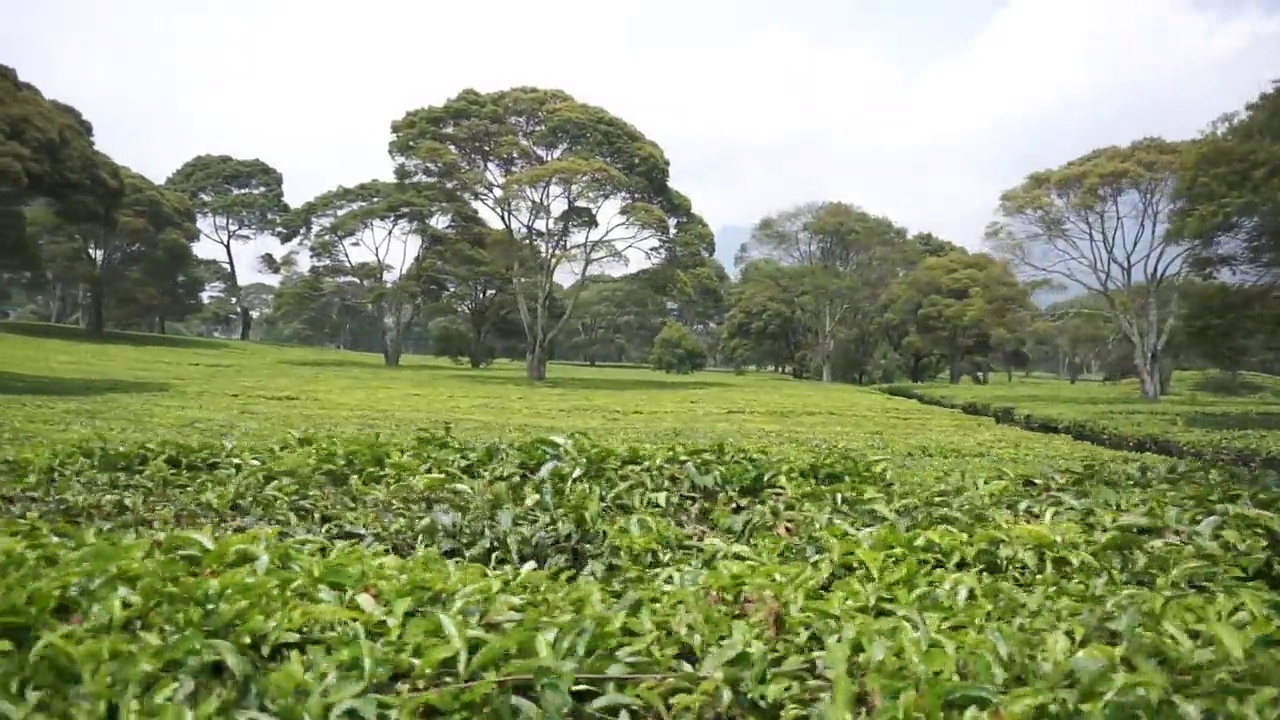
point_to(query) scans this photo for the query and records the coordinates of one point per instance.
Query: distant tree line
(508, 225)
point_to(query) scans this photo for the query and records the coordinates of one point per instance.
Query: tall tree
(104, 257)
(469, 270)
(617, 319)
(373, 234)
(1101, 222)
(166, 282)
(47, 152)
(1078, 334)
(959, 305)
(764, 327)
(1231, 193)
(575, 186)
(235, 202)
(1232, 327)
(836, 244)
(309, 308)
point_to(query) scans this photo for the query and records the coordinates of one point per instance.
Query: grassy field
(1203, 411)
(193, 528)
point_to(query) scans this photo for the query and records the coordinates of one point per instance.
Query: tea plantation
(1216, 416)
(205, 529)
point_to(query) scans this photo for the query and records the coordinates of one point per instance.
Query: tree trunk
(536, 362)
(828, 345)
(391, 351)
(957, 371)
(1148, 377)
(1008, 372)
(1166, 377)
(160, 328)
(915, 368)
(246, 322)
(58, 313)
(94, 324)
(82, 308)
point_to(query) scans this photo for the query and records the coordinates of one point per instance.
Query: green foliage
(373, 239)
(677, 350)
(1235, 424)
(196, 528)
(961, 305)
(1233, 328)
(841, 258)
(239, 199)
(616, 320)
(467, 270)
(140, 265)
(1101, 223)
(311, 576)
(552, 171)
(236, 200)
(170, 545)
(763, 325)
(1228, 193)
(47, 152)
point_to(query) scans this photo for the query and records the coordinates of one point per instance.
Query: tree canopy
(574, 186)
(47, 152)
(525, 224)
(235, 201)
(1101, 223)
(1230, 193)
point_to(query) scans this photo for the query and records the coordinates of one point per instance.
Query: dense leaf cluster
(563, 578)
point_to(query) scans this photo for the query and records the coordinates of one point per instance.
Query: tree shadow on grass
(367, 364)
(74, 333)
(12, 383)
(608, 384)
(605, 365)
(1233, 421)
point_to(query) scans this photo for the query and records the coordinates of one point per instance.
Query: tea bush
(561, 577)
(1236, 421)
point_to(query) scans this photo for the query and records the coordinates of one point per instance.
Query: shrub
(677, 350)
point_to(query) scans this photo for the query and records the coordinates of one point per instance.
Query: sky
(921, 110)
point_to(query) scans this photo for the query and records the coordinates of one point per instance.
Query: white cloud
(755, 104)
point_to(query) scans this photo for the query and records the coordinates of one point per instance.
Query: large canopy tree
(764, 326)
(958, 305)
(374, 234)
(113, 257)
(1231, 193)
(1101, 223)
(235, 202)
(576, 187)
(47, 152)
(841, 252)
(468, 270)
